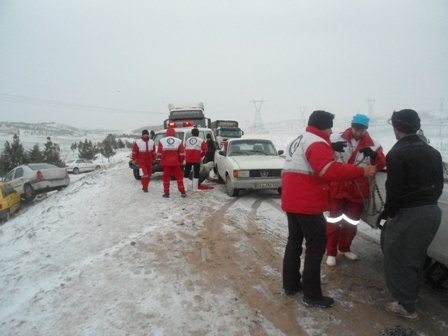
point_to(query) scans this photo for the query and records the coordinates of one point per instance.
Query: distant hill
(48, 129)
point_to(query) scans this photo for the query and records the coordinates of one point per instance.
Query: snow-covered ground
(102, 258)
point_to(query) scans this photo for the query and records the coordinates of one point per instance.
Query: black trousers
(312, 228)
(196, 167)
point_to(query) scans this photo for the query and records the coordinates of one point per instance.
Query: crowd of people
(332, 173)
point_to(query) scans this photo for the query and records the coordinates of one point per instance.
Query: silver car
(81, 165)
(36, 178)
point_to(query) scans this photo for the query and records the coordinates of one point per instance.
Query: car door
(16, 179)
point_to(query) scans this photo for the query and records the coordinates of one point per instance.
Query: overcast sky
(119, 63)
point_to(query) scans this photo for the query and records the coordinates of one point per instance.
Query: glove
(367, 151)
(339, 146)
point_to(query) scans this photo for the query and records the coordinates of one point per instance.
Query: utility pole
(258, 123)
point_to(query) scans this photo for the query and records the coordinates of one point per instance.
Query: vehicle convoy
(226, 129)
(187, 115)
(249, 164)
(183, 133)
(36, 178)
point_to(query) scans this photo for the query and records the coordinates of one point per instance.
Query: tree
(74, 146)
(120, 144)
(35, 154)
(112, 141)
(13, 155)
(51, 153)
(87, 150)
(106, 149)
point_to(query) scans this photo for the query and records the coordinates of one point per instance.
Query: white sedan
(249, 164)
(80, 165)
(35, 178)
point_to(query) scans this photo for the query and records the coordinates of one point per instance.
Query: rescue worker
(413, 186)
(195, 149)
(347, 198)
(143, 154)
(309, 166)
(172, 155)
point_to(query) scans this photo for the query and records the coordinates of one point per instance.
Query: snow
(102, 258)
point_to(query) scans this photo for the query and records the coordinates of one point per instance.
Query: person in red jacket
(172, 155)
(195, 149)
(143, 154)
(309, 167)
(347, 198)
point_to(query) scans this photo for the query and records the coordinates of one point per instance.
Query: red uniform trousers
(340, 235)
(146, 177)
(175, 171)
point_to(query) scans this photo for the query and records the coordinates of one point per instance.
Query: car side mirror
(280, 152)
(222, 153)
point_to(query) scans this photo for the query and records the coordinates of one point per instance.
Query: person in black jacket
(413, 187)
(211, 148)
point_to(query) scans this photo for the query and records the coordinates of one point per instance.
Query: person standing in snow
(413, 186)
(211, 148)
(143, 154)
(172, 155)
(195, 149)
(309, 166)
(347, 198)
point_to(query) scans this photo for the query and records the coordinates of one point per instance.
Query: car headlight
(240, 173)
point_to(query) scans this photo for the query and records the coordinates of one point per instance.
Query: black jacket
(414, 175)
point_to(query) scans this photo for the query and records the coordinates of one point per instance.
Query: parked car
(183, 133)
(9, 201)
(80, 166)
(36, 178)
(249, 164)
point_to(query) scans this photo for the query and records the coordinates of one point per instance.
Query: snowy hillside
(102, 258)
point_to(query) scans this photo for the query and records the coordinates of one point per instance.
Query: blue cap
(360, 121)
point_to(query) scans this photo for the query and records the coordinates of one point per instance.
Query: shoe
(166, 195)
(183, 195)
(349, 255)
(397, 309)
(145, 189)
(331, 261)
(322, 302)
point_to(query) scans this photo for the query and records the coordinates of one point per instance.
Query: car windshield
(37, 166)
(252, 147)
(231, 133)
(202, 135)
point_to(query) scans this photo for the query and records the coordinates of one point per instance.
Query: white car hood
(256, 162)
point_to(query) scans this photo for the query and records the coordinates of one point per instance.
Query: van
(182, 133)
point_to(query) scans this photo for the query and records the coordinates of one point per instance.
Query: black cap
(322, 120)
(195, 132)
(406, 121)
(145, 132)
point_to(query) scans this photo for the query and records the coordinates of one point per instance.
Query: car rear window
(37, 166)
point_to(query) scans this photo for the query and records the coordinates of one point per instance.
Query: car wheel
(29, 192)
(137, 174)
(231, 190)
(97, 167)
(76, 170)
(220, 180)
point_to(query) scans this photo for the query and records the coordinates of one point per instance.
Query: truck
(226, 129)
(187, 115)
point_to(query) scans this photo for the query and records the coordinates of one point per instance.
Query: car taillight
(187, 123)
(39, 175)
(172, 124)
(235, 173)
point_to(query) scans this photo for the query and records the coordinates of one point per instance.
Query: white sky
(118, 63)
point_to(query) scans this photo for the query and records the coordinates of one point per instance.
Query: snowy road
(103, 258)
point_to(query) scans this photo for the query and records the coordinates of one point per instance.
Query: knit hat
(406, 121)
(145, 132)
(322, 120)
(170, 132)
(360, 121)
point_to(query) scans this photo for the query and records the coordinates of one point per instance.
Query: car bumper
(47, 185)
(257, 183)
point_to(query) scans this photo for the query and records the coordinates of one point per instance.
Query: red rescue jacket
(309, 166)
(195, 149)
(170, 150)
(144, 152)
(355, 190)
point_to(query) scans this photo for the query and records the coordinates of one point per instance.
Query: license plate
(266, 185)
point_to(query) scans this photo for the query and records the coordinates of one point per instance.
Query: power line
(66, 105)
